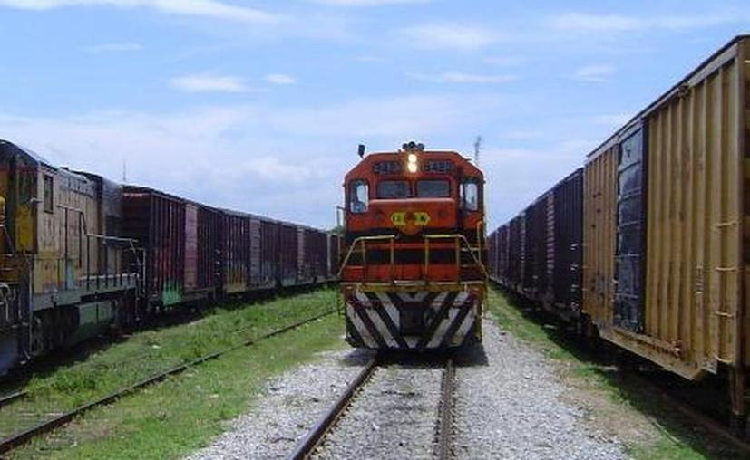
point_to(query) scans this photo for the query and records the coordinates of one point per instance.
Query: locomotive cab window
(358, 196)
(433, 188)
(393, 189)
(470, 194)
(49, 194)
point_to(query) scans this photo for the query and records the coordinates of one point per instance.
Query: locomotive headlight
(411, 163)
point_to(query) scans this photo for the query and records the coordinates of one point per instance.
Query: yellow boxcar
(665, 224)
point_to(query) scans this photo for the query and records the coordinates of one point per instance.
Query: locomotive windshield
(393, 189)
(433, 188)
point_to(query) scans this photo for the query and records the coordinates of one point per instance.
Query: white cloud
(462, 37)
(113, 47)
(582, 22)
(387, 118)
(277, 161)
(280, 79)
(594, 72)
(461, 77)
(368, 2)
(209, 82)
(209, 8)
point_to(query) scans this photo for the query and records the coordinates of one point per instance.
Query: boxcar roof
(708, 66)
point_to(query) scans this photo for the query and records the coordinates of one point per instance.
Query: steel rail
(443, 447)
(691, 413)
(26, 435)
(307, 445)
(9, 398)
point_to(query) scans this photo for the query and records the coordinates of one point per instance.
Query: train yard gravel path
(393, 417)
(290, 405)
(509, 403)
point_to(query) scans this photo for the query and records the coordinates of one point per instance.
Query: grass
(648, 427)
(184, 412)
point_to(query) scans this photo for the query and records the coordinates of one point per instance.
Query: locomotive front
(413, 275)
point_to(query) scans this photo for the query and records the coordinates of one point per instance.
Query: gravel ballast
(509, 403)
(393, 417)
(287, 409)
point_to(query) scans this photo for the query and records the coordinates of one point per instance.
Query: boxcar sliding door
(631, 228)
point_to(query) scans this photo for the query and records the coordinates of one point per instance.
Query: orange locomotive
(413, 275)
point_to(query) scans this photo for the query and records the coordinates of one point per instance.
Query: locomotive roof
(38, 160)
(27, 152)
(380, 156)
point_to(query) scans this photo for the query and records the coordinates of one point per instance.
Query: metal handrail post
(426, 258)
(393, 261)
(457, 252)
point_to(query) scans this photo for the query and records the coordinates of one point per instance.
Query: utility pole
(124, 171)
(477, 149)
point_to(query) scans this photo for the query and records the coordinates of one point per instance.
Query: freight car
(666, 217)
(413, 276)
(80, 255)
(538, 254)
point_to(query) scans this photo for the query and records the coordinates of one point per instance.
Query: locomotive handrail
(455, 236)
(362, 240)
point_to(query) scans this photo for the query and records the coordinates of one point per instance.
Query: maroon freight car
(539, 253)
(287, 255)
(235, 252)
(312, 255)
(180, 240)
(565, 246)
(516, 253)
(334, 251)
(536, 238)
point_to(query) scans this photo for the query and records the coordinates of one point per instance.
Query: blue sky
(260, 105)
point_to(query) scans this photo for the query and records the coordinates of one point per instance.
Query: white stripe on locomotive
(360, 326)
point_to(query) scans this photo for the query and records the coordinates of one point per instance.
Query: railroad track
(39, 424)
(443, 428)
(12, 397)
(690, 412)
